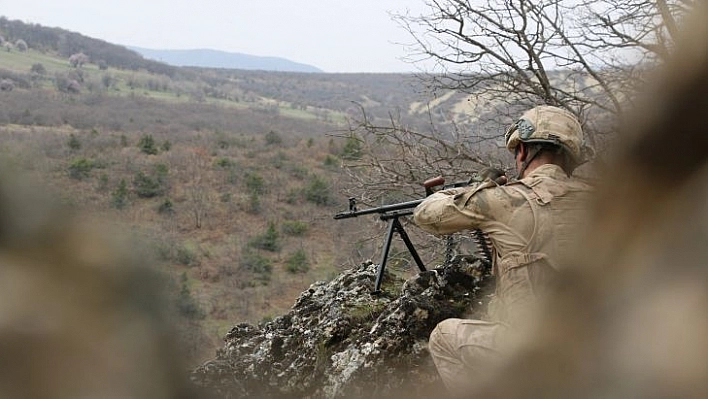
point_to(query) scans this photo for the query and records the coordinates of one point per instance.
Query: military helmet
(547, 124)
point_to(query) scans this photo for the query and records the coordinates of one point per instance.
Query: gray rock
(340, 340)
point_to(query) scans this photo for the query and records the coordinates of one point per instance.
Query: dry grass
(208, 172)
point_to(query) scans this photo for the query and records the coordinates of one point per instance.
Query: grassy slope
(208, 168)
(21, 62)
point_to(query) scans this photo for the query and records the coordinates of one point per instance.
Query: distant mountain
(222, 59)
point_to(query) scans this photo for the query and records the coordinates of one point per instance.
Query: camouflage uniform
(532, 225)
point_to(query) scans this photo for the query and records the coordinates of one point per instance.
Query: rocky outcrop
(340, 340)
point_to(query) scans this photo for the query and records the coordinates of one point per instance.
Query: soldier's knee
(441, 336)
(443, 329)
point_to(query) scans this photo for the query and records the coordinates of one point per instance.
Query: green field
(119, 82)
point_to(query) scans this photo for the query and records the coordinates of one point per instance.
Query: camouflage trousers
(464, 352)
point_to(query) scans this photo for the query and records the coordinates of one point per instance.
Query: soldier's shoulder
(505, 196)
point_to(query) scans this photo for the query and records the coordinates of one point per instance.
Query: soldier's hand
(494, 174)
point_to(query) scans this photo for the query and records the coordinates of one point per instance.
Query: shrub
(38, 68)
(108, 81)
(187, 255)
(295, 227)
(297, 262)
(254, 204)
(7, 85)
(147, 186)
(299, 172)
(268, 241)
(330, 161)
(119, 197)
(351, 149)
(78, 60)
(279, 159)
(273, 138)
(73, 87)
(166, 207)
(103, 182)
(161, 170)
(233, 176)
(186, 304)
(79, 168)
(21, 45)
(67, 84)
(292, 196)
(258, 264)
(147, 145)
(317, 191)
(255, 183)
(224, 163)
(73, 142)
(16, 79)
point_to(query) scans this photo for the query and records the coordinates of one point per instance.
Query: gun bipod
(395, 225)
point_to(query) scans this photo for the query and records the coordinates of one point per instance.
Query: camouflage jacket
(532, 224)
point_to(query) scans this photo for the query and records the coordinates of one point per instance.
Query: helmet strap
(532, 153)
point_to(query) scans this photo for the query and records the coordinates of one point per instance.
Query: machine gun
(393, 212)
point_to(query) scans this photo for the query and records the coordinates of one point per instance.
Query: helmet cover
(548, 124)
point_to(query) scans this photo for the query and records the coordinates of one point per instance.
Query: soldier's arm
(453, 210)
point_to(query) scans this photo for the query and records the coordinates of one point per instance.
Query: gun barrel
(380, 209)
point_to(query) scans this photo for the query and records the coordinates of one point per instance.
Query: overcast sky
(333, 35)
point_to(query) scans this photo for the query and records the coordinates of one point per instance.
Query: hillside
(65, 43)
(230, 177)
(101, 67)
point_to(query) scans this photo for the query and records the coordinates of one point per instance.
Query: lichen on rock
(341, 340)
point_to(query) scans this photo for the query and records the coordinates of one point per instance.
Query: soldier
(532, 224)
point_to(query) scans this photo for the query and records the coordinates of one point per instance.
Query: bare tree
(197, 169)
(582, 55)
(21, 45)
(78, 60)
(587, 56)
(395, 160)
(7, 85)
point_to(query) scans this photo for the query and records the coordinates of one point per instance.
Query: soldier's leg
(464, 352)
